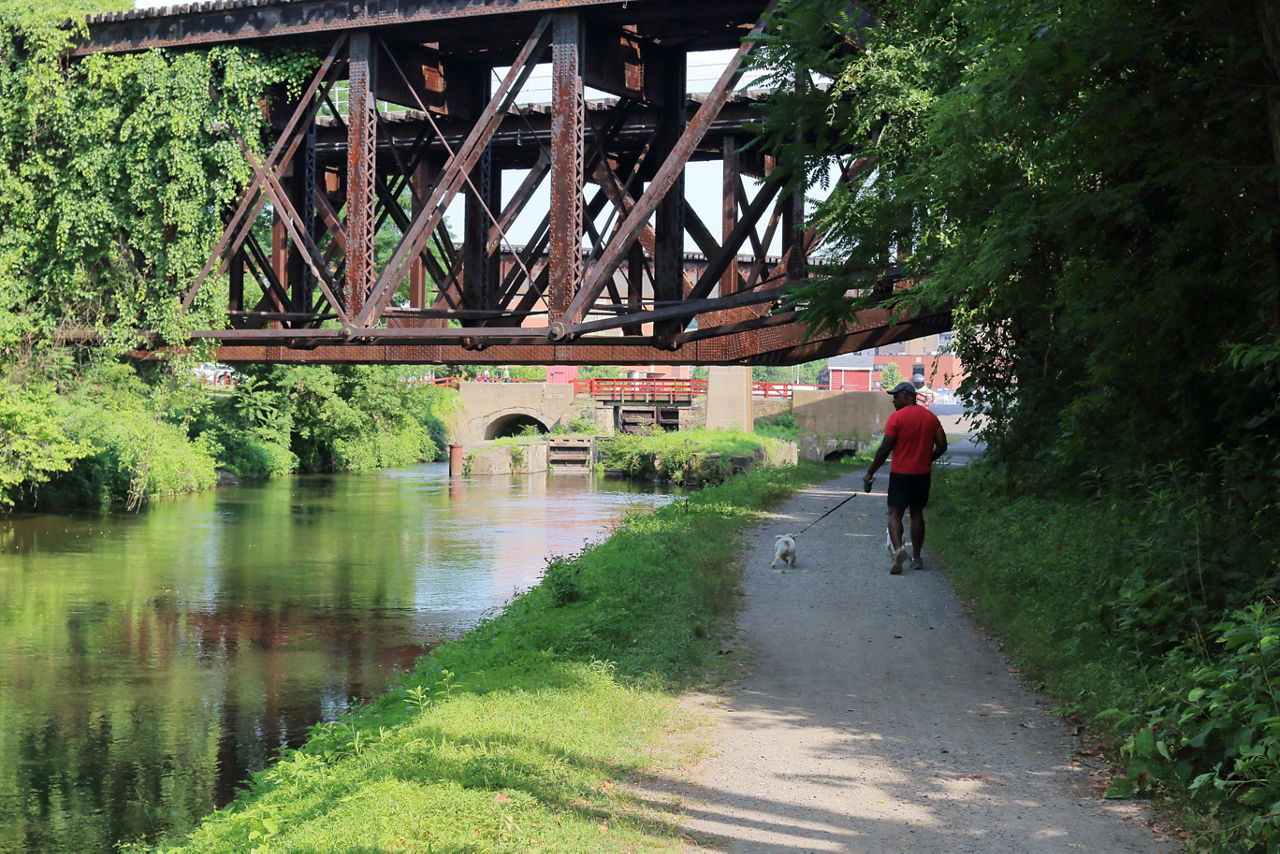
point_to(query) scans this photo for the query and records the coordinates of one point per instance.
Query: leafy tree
(1090, 186)
(33, 444)
(890, 376)
(114, 171)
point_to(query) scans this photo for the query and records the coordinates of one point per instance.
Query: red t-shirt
(914, 426)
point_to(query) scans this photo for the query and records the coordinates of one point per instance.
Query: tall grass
(518, 736)
(1142, 613)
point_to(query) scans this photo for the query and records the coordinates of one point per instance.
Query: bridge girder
(579, 292)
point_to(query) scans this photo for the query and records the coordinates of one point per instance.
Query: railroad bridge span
(432, 115)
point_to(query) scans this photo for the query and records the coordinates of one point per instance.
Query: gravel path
(873, 716)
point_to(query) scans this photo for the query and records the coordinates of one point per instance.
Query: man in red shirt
(916, 438)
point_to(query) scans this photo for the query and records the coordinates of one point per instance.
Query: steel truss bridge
(431, 115)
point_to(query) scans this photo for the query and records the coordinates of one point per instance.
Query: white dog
(784, 549)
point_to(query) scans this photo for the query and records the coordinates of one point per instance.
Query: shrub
(33, 445)
(1217, 722)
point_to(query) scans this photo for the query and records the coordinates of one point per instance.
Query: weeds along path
(871, 715)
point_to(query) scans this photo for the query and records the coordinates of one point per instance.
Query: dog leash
(852, 495)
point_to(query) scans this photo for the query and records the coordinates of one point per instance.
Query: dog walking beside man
(915, 438)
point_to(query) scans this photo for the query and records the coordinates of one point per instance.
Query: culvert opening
(514, 425)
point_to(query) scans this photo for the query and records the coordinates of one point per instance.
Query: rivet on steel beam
(557, 331)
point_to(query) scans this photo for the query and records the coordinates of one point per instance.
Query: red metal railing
(640, 390)
(636, 389)
(659, 390)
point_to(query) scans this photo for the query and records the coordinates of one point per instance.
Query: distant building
(926, 362)
(562, 373)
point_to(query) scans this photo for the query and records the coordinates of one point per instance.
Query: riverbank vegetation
(113, 174)
(1092, 189)
(116, 435)
(685, 457)
(520, 735)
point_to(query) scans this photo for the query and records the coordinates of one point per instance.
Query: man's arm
(939, 445)
(882, 454)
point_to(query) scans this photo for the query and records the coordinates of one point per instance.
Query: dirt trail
(873, 716)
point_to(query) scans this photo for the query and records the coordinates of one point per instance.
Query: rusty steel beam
(461, 162)
(667, 176)
(475, 24)
(567, 134)
(790, 343)
(362, 136)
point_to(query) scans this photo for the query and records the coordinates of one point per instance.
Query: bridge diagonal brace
(283, 150)
(301, 238)
(666, 177)
(717, 265)
(454, 174)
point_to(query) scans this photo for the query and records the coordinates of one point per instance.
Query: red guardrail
(640, 390)
(650, 390)
(637, 388)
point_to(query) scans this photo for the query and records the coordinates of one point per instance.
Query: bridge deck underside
(431, 116)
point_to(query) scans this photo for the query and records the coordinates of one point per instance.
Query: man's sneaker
(899, 558)
(916, 564)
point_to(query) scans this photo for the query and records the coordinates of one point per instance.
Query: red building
(923, 362)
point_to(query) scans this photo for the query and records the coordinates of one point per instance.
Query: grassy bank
(517, 736)
(1120, 610)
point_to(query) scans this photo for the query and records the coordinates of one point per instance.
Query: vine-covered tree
(114, 171)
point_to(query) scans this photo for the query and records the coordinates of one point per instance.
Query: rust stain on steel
(361, 182)
(249, 20)
(788, 345)
(566, 163)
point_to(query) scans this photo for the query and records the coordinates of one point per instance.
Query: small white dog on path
(784, 549)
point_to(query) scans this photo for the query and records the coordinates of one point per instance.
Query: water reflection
(148, 662)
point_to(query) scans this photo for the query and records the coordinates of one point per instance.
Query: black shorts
(909, 490)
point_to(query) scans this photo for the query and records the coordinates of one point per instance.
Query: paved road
(873, 716)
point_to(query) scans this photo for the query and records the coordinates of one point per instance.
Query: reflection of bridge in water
(431, 115)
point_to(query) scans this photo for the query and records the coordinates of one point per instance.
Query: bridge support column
(668, 262)
(729, 398)
(362, 142)
(564, 261)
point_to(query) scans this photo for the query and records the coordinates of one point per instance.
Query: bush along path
(870, 715)
(521, 735)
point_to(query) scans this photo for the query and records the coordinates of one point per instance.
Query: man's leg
(895, 540)
(917, 531)
(895, 526)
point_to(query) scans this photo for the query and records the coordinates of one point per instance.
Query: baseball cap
(902, 386)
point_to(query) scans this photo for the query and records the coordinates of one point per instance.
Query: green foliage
(806, 373)
(781, 427)
(562, 579)
(33, 444)
(115, 172)
(699, 454)
(118, 436)
(1215, 722)
(360, 418)
(1032, 170)
(136, 449)
(890, 376)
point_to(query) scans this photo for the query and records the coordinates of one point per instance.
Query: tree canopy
(1092, 188)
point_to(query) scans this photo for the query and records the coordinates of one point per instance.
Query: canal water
(149, 662)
